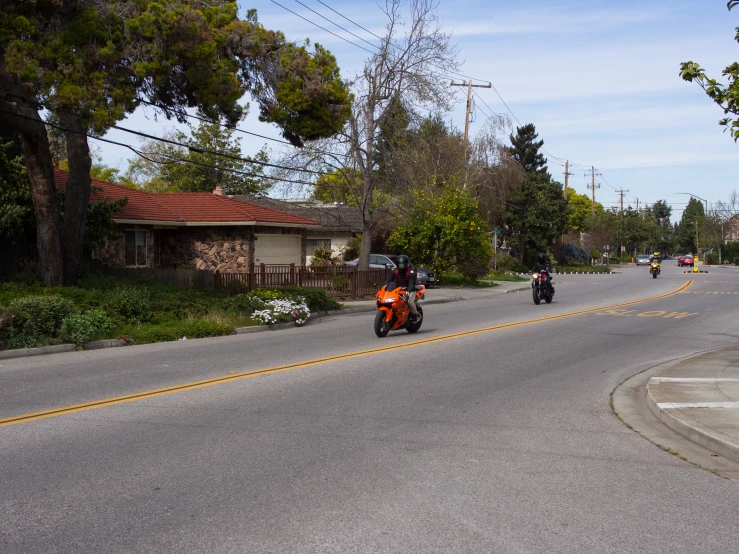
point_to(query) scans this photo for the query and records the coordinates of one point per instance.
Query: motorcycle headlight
(535, 275)
(390, 300)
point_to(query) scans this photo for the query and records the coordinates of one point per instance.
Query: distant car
(643, 259)
(381, 261)
(686, 260)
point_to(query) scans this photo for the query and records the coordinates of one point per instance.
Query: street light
(705, 218)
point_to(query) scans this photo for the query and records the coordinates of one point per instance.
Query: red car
(686, 260)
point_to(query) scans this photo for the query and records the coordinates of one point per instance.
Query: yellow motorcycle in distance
(654, 268)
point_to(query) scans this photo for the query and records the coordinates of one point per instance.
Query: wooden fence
(337, 280)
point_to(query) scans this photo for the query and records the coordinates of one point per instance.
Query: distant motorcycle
(654, 269)
(393, 311)
(540, 288)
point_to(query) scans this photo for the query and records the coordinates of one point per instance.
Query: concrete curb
(39, 351)
(105, 343)
(699, 434)
(522, 289)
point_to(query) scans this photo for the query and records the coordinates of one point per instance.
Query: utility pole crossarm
(467, 111)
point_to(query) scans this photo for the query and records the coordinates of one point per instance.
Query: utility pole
(621, 192)
(592, 184)
(468, 110)
(567, 175)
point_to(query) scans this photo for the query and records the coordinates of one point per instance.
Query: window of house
(311, 244)
(157, 236)
(135, 248)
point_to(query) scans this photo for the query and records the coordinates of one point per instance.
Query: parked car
(643, 259)
(380, 261)
(686, 260)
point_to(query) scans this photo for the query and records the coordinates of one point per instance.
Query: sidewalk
(698, 398)
(440, 295)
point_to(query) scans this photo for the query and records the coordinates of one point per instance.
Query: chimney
(218, 191)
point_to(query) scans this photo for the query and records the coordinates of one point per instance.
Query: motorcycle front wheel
(537, 298)
(654, 274)
(382, 328)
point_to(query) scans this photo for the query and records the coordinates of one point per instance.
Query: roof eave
(213, 223)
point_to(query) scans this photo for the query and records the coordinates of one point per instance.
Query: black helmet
(542, 258)
(402, 262)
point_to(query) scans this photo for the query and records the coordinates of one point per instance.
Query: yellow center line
(233, 376)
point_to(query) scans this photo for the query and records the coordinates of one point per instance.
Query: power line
(323, 28)
(174, 159)
(349, 20)
(212, 152)
(334, 23)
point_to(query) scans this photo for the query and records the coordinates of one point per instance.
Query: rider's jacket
(405, 278)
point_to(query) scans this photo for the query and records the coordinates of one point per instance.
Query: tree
(726, 96)
(444, 232)
(525, 150)
(693, 217)
(579, 211)
(166, 167)
(410, 69)
(16, 209)
(537, 215)
(91, 62)
(17, 218)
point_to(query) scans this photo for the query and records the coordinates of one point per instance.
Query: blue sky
(599, 80)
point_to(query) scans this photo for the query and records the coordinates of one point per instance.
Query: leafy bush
(11, 318)
(175, 330)
(44, 314)
(351, 250)
(79, 329)
(571, 253)
(316, 299)
(504, 262)
(614, 261)
(323, 257)
(445, 233)
(712, 259)
(283, 310)
(245, 304)
(133, 304)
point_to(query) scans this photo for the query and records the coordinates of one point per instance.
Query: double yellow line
(297, 365)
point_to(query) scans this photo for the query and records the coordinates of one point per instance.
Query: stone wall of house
(113, 253)
(210, 249)
(205, 248)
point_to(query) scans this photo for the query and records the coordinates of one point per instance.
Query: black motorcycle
(540, 286)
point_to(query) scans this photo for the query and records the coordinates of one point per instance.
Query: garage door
(277, 249)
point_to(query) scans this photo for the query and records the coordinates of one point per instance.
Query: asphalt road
(494, 441)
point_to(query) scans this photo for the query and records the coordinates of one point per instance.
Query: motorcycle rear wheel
(381, 327)
(548, 298)
(414, 327)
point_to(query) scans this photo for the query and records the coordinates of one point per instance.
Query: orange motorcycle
(393, 311)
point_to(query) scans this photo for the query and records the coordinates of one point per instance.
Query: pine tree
(525, 150)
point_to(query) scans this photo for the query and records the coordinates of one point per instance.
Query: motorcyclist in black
(542, 266)
(404, 275)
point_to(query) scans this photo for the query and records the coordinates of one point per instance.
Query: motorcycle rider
(542, 266)
(656, 258)
(404, 275)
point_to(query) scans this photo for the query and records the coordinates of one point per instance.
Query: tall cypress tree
(525, 150)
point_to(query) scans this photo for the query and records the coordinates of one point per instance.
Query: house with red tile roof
(199, 230)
